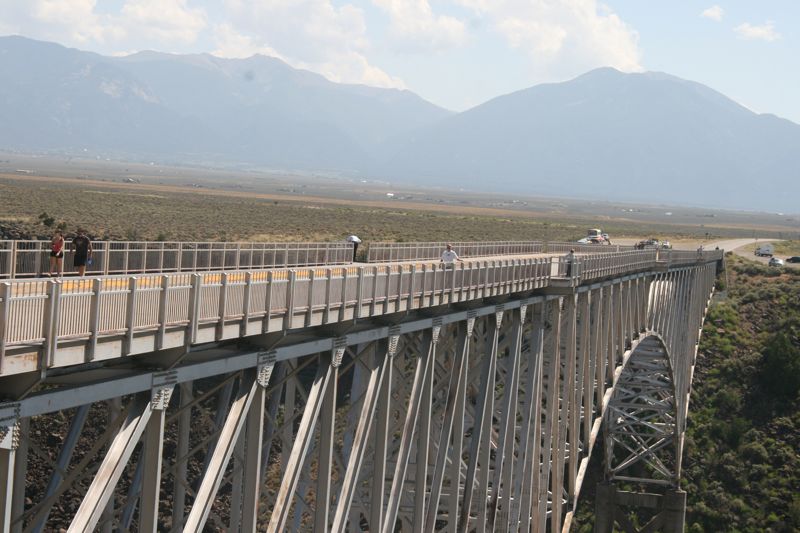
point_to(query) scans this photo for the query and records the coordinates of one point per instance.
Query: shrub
(46, 219)
(780, 366)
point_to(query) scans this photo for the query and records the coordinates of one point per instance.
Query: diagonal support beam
(482, 424)
(64, 457)
(223, 450)
(302, 442)
(504, 463)
(423, 367)
(354, 462)
(455, 398)
(105, 481)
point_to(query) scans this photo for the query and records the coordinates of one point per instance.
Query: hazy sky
(455, 53)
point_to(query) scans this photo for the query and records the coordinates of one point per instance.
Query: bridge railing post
(5, 307)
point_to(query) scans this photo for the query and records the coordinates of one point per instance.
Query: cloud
(164, 20)
(66, 21)
(416, 28)
(158, 23)
(764, 32)
(562, 37)
(311, 34)
(232, 44)
(714, 13)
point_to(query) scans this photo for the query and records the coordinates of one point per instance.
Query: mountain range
(606, 134)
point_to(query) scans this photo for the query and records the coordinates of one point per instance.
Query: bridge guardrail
(32, 258)
(687, 257)
(40, 314)
(45, 312)
(385, 252)
(564, 247)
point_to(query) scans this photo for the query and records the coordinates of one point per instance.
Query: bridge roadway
(399, 336)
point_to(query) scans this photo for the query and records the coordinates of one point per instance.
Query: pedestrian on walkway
(356, 241)
(449, 257)
(57, 254)
(570, 260)
(82, 246)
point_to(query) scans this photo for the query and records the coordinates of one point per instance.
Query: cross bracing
(466, 400)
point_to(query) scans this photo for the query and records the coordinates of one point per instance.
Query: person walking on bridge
(57, 254)
(570, 261)
(356, 241)
(449, 257)
(82, 246)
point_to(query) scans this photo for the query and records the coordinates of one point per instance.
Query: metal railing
(41, 314)
(32, 258)
(563, 247)
(586, 267)
(45, 313)
(687, 257)
(385, 252)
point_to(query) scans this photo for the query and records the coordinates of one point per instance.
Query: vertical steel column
(180, 482)
(305, 436)
(288, 412)
(424, 436)
(382, 436)
(563, 409)
(153, 449)
(531, 433)
(479, 446)
(553, 353)
(458, 429)
(504, 458)
(253, 439)
(599, 344)
(9, 442)
(609, 317)
(579, 432)
(619, 322)
(423, 367)
(20, 471)
(455, 398)
(326, 442)
(588, 336)
(275, 392)
(380, 368)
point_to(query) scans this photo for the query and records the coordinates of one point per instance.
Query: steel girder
(472, 419)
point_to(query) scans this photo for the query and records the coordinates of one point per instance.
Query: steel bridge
(400, 395)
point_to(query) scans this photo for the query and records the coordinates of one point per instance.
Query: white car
(775, 262)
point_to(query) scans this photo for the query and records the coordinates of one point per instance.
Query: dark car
(795, 259)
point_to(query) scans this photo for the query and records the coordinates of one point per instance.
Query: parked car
(775, 262)
(765, 250)
(794, 259)
(647, 243)
(592, 240)
(666, 245)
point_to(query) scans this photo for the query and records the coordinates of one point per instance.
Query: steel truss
(467, 419)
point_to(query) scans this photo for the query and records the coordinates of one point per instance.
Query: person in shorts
(82, 246)
(57, 254)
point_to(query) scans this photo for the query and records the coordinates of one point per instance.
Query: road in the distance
(736, 246)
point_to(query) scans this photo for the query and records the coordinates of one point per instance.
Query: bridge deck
(49, 323)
